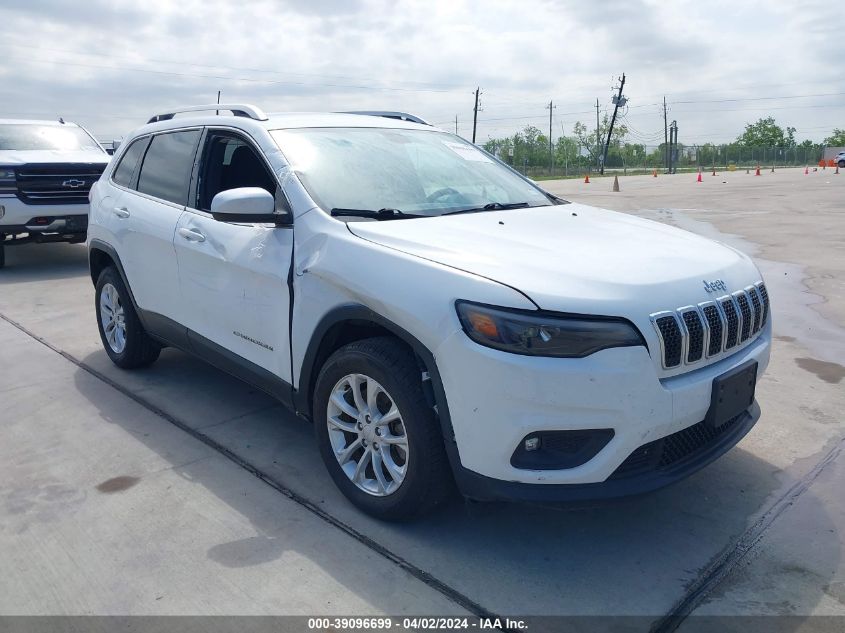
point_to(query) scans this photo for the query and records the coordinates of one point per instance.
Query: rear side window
(166, 172)
(128, 162)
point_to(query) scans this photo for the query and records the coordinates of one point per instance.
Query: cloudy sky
(111, 64)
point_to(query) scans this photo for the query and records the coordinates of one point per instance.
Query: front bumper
(42, 222)
(496, 399)
(19, 217)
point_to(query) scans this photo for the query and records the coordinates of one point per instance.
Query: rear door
(234, 277)
(149, 216)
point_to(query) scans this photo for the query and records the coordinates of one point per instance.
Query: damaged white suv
(439, 318)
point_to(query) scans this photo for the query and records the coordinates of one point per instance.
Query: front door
(234, 277)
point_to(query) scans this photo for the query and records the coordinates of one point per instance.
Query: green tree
(587, 137)
(837, 139)
(766, 133)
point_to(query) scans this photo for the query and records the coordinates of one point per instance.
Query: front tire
(123, 336)
(842, 164)
(378, 437)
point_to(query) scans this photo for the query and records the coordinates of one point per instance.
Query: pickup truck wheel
(378, 436)
(123, 336)
(841, 164)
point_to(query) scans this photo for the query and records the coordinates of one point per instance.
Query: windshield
(18, 136)
(417, 172)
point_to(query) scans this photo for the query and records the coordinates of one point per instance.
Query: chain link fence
(568, 162)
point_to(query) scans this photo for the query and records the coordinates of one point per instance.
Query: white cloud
(110, 65)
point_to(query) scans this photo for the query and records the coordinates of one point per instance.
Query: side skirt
(171, 333)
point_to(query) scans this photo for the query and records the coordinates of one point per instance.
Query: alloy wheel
(113, 318)
(367, 434)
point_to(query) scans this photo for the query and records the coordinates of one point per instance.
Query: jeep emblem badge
(716, 284)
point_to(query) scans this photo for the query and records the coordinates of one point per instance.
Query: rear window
(21, 137)
(128, 162)
(166, 172)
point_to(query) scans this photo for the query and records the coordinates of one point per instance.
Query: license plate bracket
(732, 393)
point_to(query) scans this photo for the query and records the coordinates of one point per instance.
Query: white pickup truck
(46, 171)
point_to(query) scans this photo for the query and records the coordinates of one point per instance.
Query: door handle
(121, 212)
(192, 235)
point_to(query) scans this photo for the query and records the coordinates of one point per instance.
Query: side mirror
(245, 204)
(116, 143)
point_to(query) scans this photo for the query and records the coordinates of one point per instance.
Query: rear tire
(414, 474)
(842, 164)
(123, 336)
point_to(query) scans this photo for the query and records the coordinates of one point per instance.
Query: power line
(219, 67)
(823, 94)
(230, 78)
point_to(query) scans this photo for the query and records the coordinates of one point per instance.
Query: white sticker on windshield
(467, 152)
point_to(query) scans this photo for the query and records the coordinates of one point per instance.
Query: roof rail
(237, 109)
(401, 116)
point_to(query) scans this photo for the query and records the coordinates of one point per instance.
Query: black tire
(428, 480)
(842, 164)
(140, 350)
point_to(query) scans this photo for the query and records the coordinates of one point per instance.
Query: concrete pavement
(676, 549)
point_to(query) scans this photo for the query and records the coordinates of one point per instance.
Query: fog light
(532, 443)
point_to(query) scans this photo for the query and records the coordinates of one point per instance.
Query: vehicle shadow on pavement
(38, 262)
(637, 556)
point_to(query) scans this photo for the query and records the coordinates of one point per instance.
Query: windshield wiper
(491, 206)
(380, 214)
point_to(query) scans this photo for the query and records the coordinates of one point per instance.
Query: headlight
(538, 334)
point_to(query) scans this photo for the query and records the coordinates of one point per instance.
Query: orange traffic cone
(758, 171)
(806, 170)
(655, 173)
(587, 179)
(699, 175)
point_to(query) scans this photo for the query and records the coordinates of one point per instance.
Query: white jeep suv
(46, 171)
(439, 318)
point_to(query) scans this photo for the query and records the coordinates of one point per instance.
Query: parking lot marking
(449, 592)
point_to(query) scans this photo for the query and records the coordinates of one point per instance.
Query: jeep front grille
(691, 334)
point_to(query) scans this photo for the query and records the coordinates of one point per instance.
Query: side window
(230, 162)
(125, 169)
(166, 171)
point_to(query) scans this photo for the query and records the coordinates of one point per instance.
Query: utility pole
(673, 146)
(618, 101)
(550, 108)
(598, 136)
(456, 125)
(217, 112)
(665, 136)
(475, 114)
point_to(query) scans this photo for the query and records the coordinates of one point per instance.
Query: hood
(573, 258)
(10, 158)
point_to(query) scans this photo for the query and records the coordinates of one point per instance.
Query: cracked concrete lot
(179, 490)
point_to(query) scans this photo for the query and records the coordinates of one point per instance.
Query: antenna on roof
(61, 120)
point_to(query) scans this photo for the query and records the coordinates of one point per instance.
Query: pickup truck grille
(691, 334)
(57, 183)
